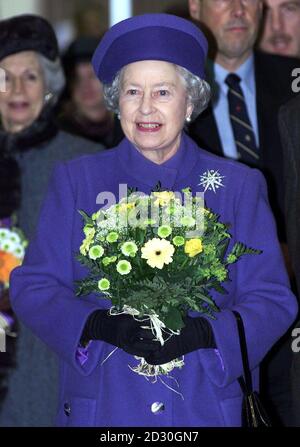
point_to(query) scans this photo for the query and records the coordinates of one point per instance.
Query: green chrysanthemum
(123, 267)
(96, 252)
(129, 249)
(178, 241)
(187, 221)
(164, 231)
(112, 237)
(103, 284)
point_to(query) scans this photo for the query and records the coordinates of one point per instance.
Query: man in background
(281, 28)
(289, 124)
(248, 88)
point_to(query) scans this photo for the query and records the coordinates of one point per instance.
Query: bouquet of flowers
(12, 250)
(157, 257)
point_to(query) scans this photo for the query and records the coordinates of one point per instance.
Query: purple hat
(162, 37)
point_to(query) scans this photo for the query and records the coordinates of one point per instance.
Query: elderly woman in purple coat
(152, 67)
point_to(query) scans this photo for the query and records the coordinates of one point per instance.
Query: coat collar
(149, 173)
(40, 132)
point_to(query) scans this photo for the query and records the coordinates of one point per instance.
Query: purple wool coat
(110, 394)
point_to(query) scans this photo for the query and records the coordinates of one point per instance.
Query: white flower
(124, 267)
(96, 252)
(129, 248)
(158, 252)
(4, 233)
(19, 251)
(8, 245)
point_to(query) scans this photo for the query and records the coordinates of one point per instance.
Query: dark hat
(162, 37)
(27, 32)
(81, 50)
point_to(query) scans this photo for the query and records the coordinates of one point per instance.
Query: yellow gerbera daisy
(158, 252)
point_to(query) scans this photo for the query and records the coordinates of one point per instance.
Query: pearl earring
(48, 96)
(119, 116)
(188, 119)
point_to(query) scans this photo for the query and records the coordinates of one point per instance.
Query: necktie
(242, 129)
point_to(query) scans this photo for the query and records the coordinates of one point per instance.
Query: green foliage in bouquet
(158, 255)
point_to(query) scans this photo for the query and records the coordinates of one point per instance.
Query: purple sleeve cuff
(6, 222)
(82, 354)
(7, 318)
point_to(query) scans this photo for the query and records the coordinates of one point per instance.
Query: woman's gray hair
(54, 77)
(198, 91)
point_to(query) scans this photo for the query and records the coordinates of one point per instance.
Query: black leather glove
(122, 331)
(196, 334)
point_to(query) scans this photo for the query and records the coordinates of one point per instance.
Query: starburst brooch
(211, 180)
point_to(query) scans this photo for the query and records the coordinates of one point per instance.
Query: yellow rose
(163, 198)
(89, 231)
(126, 207)
(207, 212)
(193, 247)
(85, 246)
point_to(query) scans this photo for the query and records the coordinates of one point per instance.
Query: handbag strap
(246, 381)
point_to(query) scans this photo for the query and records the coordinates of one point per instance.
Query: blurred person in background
(83, 110)
(281, 27)
(179, 9)
(289, 125)
(89, 20)
(30, 145)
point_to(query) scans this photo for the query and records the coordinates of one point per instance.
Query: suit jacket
(109, 394)
(273, 88)
(289, 125)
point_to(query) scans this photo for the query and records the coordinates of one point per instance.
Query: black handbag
(253, 411)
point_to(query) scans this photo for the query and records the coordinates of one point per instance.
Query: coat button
(67, 409)
(157, 407)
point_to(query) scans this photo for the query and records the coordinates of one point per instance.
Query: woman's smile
(23, 99)
(148, 127)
